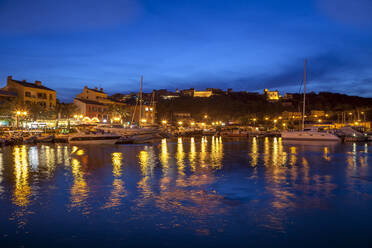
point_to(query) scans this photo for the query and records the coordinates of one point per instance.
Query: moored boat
(93, 139)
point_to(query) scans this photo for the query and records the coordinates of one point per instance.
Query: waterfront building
(91, 109)
(94, 95)
(28, 93)
(272, 95)
(287, 115)
(317, 114)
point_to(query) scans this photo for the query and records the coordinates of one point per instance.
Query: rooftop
(89, 101)
(31, 85)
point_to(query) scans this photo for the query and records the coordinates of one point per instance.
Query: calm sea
(190, 192)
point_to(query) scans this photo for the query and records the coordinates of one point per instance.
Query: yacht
(93, 139)
(308, 134)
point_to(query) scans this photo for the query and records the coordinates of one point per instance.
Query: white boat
(308, 134)
(93, 139)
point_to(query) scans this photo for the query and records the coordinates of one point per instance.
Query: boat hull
(93, 140)
(309, 136)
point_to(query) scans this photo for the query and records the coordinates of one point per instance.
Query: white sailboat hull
(93, 140)
(309, 135)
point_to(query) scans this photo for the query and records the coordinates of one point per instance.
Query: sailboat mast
(304, 100)
(140, 100)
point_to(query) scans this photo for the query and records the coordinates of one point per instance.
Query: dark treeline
(240, 106)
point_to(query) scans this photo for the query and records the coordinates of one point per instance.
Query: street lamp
(164, 122)
(19, 113)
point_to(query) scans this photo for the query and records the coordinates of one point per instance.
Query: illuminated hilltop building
(272, 95)
(196, 93)
(28, 93)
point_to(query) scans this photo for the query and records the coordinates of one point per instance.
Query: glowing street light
(205, 116)
(18, 113)
(164, 122)
(180, 123)
(192, 123)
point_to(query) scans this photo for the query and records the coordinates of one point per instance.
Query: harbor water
(187, 192)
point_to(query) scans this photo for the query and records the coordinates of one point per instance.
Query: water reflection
(254, 152)
(197, 182)
(180, 156)
(118, 190)
(79, 190)
(22, 191)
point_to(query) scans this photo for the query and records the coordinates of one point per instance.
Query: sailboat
(308, 134)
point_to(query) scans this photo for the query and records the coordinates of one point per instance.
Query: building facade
(31, 93)
(272, 95)
(91, 109)
(196, 93)
(93, 95)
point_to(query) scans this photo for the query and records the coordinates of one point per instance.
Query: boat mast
(304, 101)
(140, 101)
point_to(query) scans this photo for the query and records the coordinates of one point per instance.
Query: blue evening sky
(240, 44)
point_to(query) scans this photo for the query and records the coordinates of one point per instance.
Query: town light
(203, 124)
(266, 118)
(254, 119)
(205, 116)
(164, 122)
(350, 113)
(75, 116)
(180, 123)
(24, 113)
(192, 123)
(143, 120)
(146, 109)
(284, 124)
(104, 120)
(150, 109)
(319, 120)
(81, 116)
(18, 112)
(280, 117)
(275, 120)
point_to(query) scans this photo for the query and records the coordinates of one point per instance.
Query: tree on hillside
(118, 110)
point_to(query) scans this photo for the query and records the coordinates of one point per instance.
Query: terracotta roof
(89, 101)
(96, 90)
(31, 85)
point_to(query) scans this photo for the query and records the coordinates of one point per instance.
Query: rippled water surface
(188, 192)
